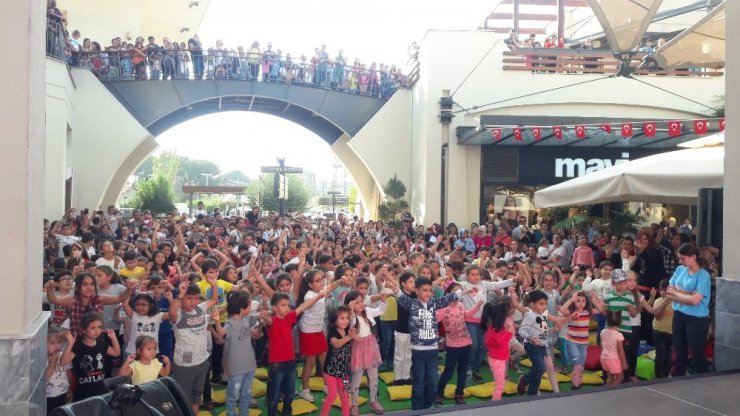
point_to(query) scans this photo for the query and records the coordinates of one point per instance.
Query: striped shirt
(578, 327)
(618, 303)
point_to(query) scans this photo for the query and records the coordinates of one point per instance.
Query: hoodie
(497, 343)
(422, 319)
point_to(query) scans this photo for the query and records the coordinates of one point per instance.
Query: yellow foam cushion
(387, 377)
(593, 325)
(300, 407)
(399, 392)
(485, 390)
(204, 413)
(450, 391)
(363, 381)
(592, 378)
(218, 396)
(526, 362)
(360, 401)
(260, 373)
(562, 378)
(592, 338)
(252, 412)
(259, 388)
(316, 384)
(545, 385)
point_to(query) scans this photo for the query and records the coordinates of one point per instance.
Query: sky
(376, 31)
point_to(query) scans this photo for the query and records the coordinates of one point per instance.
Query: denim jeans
(663, 347)
(239, 390)
(576, 353)
(600, 325)
(423, 378)
(386, 329)
(564, 352)
(217, 355)
(281, 380)
(536, 354)
(455, 357)
(689, 334)
(478, 350)
(631, 348)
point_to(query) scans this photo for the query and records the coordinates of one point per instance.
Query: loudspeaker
(709, 217)
(163, 395)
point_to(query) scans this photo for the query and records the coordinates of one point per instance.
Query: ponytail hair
(494, 315)
(688, 250)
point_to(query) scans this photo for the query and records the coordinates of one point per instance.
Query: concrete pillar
(23, 327)
(727, 342)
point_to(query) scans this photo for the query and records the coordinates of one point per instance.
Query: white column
(727, 342)
(23, 326)
(22, 117)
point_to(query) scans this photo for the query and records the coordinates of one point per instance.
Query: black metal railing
(156, 64)
(56, 40)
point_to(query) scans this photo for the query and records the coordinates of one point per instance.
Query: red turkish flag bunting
(627, 130)
(700, 126)
(581, 132)
(648, 129)
(496, 133)
(721, 124)
(518, 134)
(607, 128)
(558, 132)
(674, 128)
(536, 132)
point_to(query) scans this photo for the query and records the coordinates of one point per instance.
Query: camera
(124, 396)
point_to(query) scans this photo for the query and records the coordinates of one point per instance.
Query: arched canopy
(159, 105)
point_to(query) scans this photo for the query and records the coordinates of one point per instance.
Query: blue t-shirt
(700, 282)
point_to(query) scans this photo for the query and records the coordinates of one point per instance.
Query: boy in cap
(622, 301)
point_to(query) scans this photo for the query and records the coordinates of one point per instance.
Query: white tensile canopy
(671, 178)
(624, 22)
(703, 44)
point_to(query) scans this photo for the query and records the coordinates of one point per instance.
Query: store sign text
(570, 168)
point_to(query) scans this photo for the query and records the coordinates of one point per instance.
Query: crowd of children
(209, 301)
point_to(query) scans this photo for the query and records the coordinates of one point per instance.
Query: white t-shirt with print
(143, 325)
(312, 319)
(58, 383)
(191, 336)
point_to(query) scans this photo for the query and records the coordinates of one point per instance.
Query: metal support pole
(561, 19)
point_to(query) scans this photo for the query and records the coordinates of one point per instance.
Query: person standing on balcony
(512, 41)
(196, 52)
(139, 58)
(339, 63)
(253, 58)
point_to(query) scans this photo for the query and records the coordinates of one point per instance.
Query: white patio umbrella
(672, 178)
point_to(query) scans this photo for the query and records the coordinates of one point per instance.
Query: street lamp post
(208, 176)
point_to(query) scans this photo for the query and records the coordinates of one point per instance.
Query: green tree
(235, 176)
(157, 193)
(261, 192)
(191, 170)
(145, 169)
(395, 192)
(352, 199)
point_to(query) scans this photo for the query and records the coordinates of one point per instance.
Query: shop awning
(595, 136)
(672, 178)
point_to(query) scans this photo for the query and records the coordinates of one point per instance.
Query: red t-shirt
(280, 334)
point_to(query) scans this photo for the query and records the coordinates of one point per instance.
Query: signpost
(281, 183)
(334, 201)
